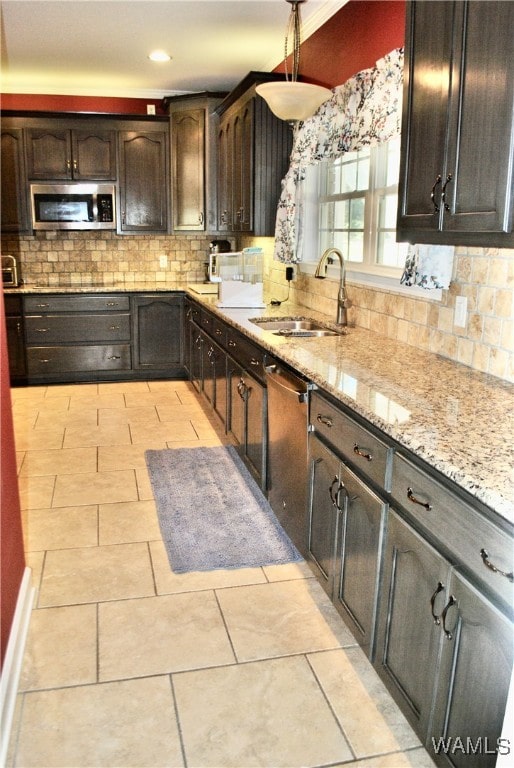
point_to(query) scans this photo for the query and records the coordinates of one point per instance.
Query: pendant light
(289, 99)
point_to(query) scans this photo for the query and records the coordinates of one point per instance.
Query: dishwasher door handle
(275, 376)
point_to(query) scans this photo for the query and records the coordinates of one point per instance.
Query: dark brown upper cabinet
(143, 180)
(253, 157)
(14, 207)
(456, 170)
(57, 153)
(193, 126)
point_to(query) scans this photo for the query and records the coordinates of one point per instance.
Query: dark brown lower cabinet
(157, 333)
(109, 337)
(444, 651)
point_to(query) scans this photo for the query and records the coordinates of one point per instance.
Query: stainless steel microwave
(73, 206)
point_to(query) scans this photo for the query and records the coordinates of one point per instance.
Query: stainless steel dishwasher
(288, 415)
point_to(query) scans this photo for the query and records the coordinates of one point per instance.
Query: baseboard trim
(13, 660)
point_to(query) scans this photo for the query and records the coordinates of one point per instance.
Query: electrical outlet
(163, 261)
(461, 306)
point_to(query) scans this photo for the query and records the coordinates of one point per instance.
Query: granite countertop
(105, 287)
(458, 420)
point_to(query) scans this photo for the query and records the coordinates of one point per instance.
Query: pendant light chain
(293, 28)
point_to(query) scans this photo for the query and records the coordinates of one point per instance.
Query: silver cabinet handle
(432, 194)
(438, 589)
(452, 601)
(114, 327)
(326, 420)
(443, 193)
(334, 498)
(114, 357)
(111, 303)
(359, 452)
(41, 330)
(485, 559)
(414, 500)
(42, 306)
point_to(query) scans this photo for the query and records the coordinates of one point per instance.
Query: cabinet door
(48, 153)
(14, 207)
(359, 544)
(474, 677)
(224, 176)
(254, 394)
(157, 332)
(324, 510)
(218, 364)
(481, 122)
(188, 152)
(16, 347)
(242, 179)
(236, 404)
(94, 155)
(413, 596)
(196, 361)
(143, 181)
(456, 181)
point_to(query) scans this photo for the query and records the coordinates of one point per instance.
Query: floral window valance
(365, 110)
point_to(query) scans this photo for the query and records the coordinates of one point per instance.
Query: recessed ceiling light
(159, 56)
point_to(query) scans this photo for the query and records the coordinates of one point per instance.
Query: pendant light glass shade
(291, 100)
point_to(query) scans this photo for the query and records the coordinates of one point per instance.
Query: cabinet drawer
(85, 303)
(471, 540)
(97, 357)
(248, 355)
(356, 443)
(68, 329)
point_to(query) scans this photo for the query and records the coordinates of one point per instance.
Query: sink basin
(295, 327)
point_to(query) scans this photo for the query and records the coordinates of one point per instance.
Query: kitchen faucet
(342, 299)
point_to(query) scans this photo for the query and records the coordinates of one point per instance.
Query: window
(350, 203)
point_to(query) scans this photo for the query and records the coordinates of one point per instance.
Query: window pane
(357, 213)
(339, 240)
(389, 252)
(349, 177)
(341, 214)
(393, 162)
(356, 246)
(363, 174)
(388, 207)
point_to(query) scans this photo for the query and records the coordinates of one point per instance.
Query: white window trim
(367, 275)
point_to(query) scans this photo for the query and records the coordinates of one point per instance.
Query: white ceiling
(100, 47)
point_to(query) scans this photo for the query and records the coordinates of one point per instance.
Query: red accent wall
(12, 562)
(101, 104)
(361, 32)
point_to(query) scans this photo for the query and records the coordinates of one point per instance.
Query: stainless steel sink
(295, 327)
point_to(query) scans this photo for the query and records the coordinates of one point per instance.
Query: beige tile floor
(128, 664)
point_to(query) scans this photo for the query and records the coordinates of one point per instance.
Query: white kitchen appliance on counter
(241, 278)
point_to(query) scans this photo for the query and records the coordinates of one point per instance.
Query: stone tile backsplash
(94, 258)
(485, 276)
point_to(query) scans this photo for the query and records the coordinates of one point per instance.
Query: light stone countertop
(458, 420)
